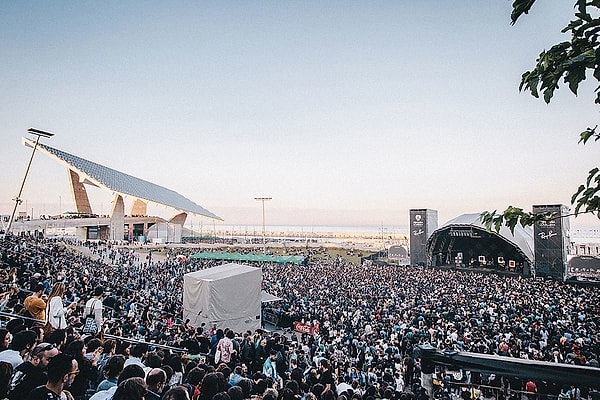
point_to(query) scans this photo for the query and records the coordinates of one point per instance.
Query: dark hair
(109, 345)
(23, 339)
(3, 333)
(56, 337)
(74, 348)
(99, 291)
(317, 389)
(131, 371)
(131, 389)
(174, 361)
(235, 393)
(221, 396)
(92, 344)
(209, 386)
(138, 350)
(59, 366)
(176, 393)
(152, 360)
(259, 387)
(329, 395)
(246, 385)
(114, 366)
(6, 371)
(195, 376)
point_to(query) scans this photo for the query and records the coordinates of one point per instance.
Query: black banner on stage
(551, 241)
(422, 223)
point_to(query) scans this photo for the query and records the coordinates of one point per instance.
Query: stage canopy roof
(248, 257)
(121, 183)
(470, 224)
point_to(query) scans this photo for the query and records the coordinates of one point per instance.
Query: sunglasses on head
(41, 350)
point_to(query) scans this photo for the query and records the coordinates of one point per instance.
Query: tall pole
(18, 199)
(263, 199)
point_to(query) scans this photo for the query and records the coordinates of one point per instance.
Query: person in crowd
(33, 372)
(62, 369)
(6, 372)
(35, 305)
(130, 371)
(177, 393)
(22, 343)
(5, 339)
(57, 312)
(269, 367)
(137, 352)
(88, 369)
(94, 306)
(111, 372)
(225, 347)
(155, 381)
(131, 389)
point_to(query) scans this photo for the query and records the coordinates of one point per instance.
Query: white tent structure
(227, 296)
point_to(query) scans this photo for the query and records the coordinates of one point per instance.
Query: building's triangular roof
(121, 183)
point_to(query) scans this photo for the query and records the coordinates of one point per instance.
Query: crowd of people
(107, 324)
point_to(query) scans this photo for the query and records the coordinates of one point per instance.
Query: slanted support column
(139, 208)
(175, 227)
(80, 197)
(117, 219)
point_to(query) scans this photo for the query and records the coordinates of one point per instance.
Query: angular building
(83, 172)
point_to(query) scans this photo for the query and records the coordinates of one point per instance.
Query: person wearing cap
(34, 304)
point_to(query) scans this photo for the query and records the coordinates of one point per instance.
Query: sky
(345, 113)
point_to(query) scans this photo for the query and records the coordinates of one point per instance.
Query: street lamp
(263, 199)
(17, 199)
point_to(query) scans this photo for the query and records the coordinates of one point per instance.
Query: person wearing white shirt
(57, 312)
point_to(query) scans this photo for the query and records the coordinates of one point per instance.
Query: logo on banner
(546, 236)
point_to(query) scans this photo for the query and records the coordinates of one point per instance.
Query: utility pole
(18, 199)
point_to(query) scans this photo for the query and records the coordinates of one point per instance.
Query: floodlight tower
(38, 133)
(263, 199)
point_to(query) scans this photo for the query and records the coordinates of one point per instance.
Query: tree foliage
(569, 62)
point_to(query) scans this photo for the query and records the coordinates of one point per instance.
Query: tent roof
(222, 272)
(522, 237)
(248, 257)
(268, 297)
(121, 183)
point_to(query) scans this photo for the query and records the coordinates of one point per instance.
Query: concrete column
(139, 208)
(117, 219)
(80, 197)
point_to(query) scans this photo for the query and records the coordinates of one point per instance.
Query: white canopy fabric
(228, 296)
(268, 297)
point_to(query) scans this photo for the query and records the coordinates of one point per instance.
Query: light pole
(17, 199)
(263, 199)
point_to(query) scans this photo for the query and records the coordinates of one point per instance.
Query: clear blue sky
(344, 112)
